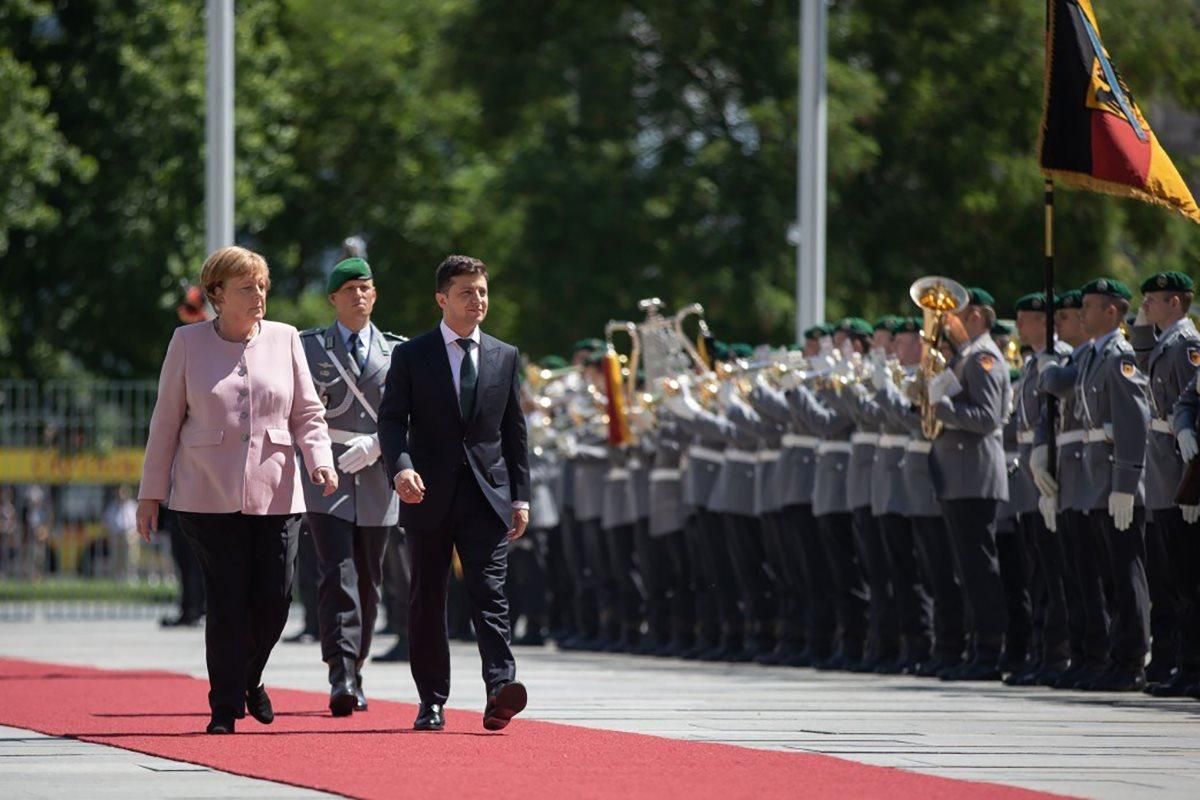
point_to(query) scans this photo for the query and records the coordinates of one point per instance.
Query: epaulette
(312, 332)
(394, 337)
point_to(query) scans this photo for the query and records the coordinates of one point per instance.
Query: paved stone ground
(1103, 746)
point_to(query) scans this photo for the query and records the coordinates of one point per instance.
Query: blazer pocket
(195, 438)
(279, 436)
(498, 475)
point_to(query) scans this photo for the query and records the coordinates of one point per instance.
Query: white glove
(1191, 514)
(361, 452)
(944, 384)
(1039, 465)
(1048, 505)
(881, 376)
(1045, 361)
(1120, 508)
(1188, 447)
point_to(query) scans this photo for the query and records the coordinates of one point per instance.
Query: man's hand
(944, 384)
(361, 452)
(520, 520)
(327, 477)
(409, 486)
(956, 332)
(147, 518)
(1190, 514)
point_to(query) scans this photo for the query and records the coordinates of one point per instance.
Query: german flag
(1093, 134)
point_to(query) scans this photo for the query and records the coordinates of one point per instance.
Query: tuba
(937, 298)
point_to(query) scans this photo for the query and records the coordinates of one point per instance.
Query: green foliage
(593, 153)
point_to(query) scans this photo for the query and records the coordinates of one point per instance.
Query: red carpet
(161, 714)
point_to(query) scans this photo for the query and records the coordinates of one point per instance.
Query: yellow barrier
(42, 465)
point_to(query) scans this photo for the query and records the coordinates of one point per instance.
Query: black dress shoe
(343, 686)
(1159, 670)
(508, 700)
(979, 670)
(258, 703)
(221, 723)
(180, 621)
(360, 699)
(1178, 686)
(530, 640)
(1119, 680)
(429, 718)
(399, 652)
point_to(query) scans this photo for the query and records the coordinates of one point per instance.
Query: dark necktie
(467, 378)
(356, 351)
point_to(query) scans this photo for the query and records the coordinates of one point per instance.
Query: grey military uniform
(733, 491)
(1028, 415)
(620, 505)
(887, 477)
(834, 427)
(1059, 380)
(1170, 363)
(864, 442)
(795, 473)
(365, 498)
(969, 457)
(916, 466)
(666, 478)
(590, 467)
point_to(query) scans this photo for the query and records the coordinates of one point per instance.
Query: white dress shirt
(364, 338)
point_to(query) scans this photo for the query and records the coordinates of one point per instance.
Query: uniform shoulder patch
(987, 361)
(311, 332)
(394, 337)
(1193, 354)
(1128, 369)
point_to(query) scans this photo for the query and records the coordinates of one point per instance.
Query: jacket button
(242, 371)
(245, 437)
(244, 414)
(243, 392)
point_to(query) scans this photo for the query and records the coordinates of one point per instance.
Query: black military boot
(343, 682)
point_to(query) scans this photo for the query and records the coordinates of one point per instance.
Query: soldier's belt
(664, 474)
(1024, 437)
(1162, 426)
(919, 446)
(765, 456)
(704, 453)
(1070, 437)
(616, 474)
(795, 440)
(1094, 435)
(591, 450)
(741, 456)
(864, 438)
(343, 437)
(890, 440)
(834, 447)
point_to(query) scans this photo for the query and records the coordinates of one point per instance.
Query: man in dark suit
(454, 441)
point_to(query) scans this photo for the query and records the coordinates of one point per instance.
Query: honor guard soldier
(972, 400)
(350, 527)
(1168, 351)
(1111, 401)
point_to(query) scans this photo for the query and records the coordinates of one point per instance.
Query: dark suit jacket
(421, 427)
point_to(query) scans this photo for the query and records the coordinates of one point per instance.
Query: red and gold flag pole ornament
(1093, 135)
(618, 418)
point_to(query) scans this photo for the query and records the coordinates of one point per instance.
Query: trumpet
(937, 297)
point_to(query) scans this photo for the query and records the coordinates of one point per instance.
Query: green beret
(1034, 301)
(1107, 286)
(816, 332)
(980, 297)
(594, 359)
(1072, 298)
(1014, 374)
(887, 323)
(856, 326)
(720, 350)
(909, 325)
(741, 350)
(351, 269)
(552, 362)
(1168, 282)
(588, 345)
(792, 348)
(1002, 329)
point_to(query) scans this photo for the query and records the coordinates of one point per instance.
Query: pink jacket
(226, 419)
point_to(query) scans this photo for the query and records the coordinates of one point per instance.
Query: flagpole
(1051, 400)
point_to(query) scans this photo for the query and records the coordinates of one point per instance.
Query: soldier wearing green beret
(1112, 403)
(1168, 351)
(350, 528)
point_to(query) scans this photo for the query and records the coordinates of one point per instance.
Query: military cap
(1034, 301)
(1108, 286)
(588, 345)
(1002, 329)
(980, 297)
(1014, 374)
(1072, 298)
(793, 348)
(1168, 282)
(595, 359)
(552, 362)
(720, 350)
(887, 323)
(350, 269)
(741, 350)
(856, 326)
(909, 325)
(816, 332)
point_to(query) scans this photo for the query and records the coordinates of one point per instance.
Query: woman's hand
(327, 477)
(147, 518)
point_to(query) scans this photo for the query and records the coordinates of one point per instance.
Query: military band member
(1168, 351)
(1111, 401)
(671, 558)
(350, 527)
(971, 399)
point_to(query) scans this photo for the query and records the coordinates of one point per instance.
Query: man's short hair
(456, 265)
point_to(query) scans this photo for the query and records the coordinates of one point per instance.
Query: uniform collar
(449, 335)
(364, 335)
(1102, 342)
(1178, 325)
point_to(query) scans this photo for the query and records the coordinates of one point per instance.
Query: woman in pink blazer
(235, 403)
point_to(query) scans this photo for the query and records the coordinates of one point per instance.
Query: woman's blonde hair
(231, 262)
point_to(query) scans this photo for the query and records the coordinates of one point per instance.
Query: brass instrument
(937, 297)
(667, 351)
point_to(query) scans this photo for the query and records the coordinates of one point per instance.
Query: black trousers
(883, 631)
(349, 584)
(782, 542)
(625, 611)
(397, 574)
(187, 568)
(720, 573)
(247, 562)
(603, 583)
(1050, 601)
(307, 577)
(820, 612)
(1087, 612)
(706, 610)
(745, 554)
(681, 587)
(1123, 556)
(527, 587)
(1018, 638)
(972, 527)
(579, 581)
(850, 589)
(1165, 631)
(913, 604)
(559, 604)
(1182, 545)
(479, 535)
(655, 575)
(936, 559)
